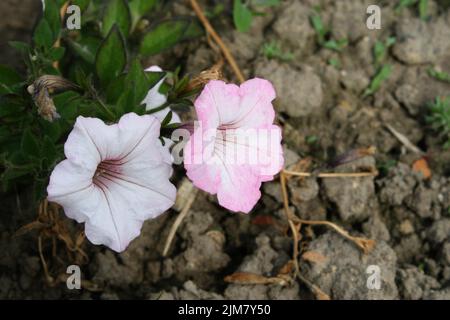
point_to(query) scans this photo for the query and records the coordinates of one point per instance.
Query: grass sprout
(439, 118)
(273, 51)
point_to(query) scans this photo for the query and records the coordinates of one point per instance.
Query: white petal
(154, 98)
(86, 143)
(71, 186)
(114, 223)
(161, 114)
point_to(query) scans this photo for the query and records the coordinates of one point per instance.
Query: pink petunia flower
(114, 178)
(236, 146)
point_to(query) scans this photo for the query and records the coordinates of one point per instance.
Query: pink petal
(239, 188)
(217, 104)
(234, 110)
(256, 108)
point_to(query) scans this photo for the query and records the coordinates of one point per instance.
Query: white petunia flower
(155, 99)
(114, 178)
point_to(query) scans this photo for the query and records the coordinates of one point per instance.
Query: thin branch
(178, 221)
(404, 140)
(226, 52)
(320, 295)
(44, 263)
(364, 244)
(332, 174)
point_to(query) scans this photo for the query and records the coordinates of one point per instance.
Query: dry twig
(404, 140)
(51, 226)
(178, 220)
(295, 222)
(210, 30)
(365, 244)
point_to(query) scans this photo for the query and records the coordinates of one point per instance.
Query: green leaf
(167, 119)
(336, 45)
(242, 16)
(115, 89)
(311, 139)
(404, 3)
(137, 78)
(12, 106)
(20, 46)
(439, 75)
(85, 48)
(67, 104)
(194, 30)
(138, 8)
(111, 56)
(11, 174)
(43, 35)
(321, 31)
(49, 151)
(29, 144)
(53, 19)
(56, 54)
(126, 102)
(51, 15)
(380, 49)
(382, 75)
(273, 51)
(83, 4)
(117, 12)
(135, 89)
(266, 3)
(423, 9)
(334, 62)
(8, 77)
(154, 77)
(164, 36)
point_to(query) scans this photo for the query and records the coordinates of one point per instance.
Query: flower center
(107, 170)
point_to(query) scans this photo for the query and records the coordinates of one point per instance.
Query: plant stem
(210, 30)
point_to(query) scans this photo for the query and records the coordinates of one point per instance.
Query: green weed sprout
(272, 50)
(439, 118)
(439, 75)
(422, 7)
(244, 11)
(323, 35)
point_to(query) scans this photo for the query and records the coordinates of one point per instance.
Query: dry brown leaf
(421, 166)
(263, 220)
(366, 245)
(217, 236)
(253, 278)
(352, 155)
(314, 256)
(287, 268)
(303, 165)
(29, 227)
